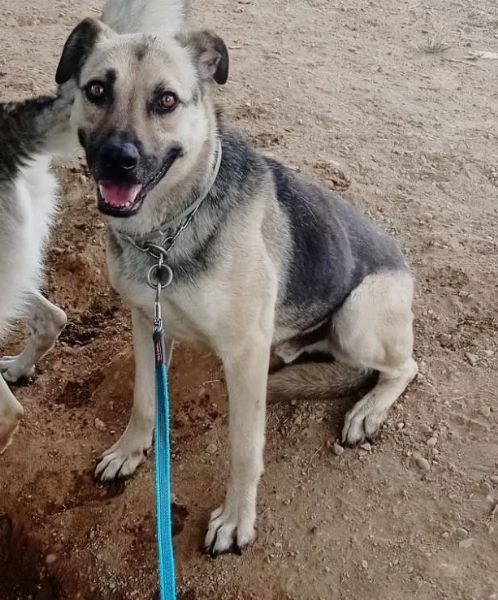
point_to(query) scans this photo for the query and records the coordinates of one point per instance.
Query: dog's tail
(144, 16)
(319, 381)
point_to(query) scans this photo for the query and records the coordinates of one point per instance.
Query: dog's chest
(186, 312)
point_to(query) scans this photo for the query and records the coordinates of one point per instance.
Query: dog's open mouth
(123, 199)
(119, 198)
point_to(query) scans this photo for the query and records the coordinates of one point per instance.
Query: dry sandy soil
(395, 97)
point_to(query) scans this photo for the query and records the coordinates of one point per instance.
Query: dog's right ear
(210, 54)
(78, 46)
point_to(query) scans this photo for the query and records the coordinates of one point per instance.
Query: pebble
(445, 535)
(364, 564)
(486, 412)
(472, 358)
(338, 449)
(400, 426)
(366, 446)
(50, 559)
(421, 462)
(494, 479)
(211, 448)
(467, 543)
(100, 425)
(431, 442)
(489, 353)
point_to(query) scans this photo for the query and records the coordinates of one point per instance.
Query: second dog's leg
(46, 321)
(246, 370)
(130, 451)
(10, 414)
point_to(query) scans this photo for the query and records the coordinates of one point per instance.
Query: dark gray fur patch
(334, 246)
(141, 50)
(23, 130)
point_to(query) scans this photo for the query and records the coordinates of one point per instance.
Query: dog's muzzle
(125, 175)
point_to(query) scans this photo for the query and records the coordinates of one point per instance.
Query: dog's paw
(362, 422)
(13, 369)
(122, 459)
(228, 532)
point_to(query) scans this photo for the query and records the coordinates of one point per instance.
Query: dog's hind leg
(373, 330)
(10, 414)
(46, 321)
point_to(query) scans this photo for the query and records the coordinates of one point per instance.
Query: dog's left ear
(78, 46)
(210, 54)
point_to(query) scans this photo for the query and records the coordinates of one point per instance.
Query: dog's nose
(119, 157)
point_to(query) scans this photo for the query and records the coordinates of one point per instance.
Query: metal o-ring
(159, 275)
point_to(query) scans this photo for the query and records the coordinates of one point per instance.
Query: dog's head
(143, 110)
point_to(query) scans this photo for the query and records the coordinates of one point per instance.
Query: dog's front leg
(130, 451)
(246, 369)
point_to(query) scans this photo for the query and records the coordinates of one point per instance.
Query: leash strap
(162, 459)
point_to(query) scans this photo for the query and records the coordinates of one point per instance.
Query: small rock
(494, 479)
(364, 564)
(212, 448)
(461, 532)
(366, 446)
(100, 425)
(488, 353)
(472, 358)
(50, 559)
(421, 462)
(338, 449)
(467, 543)
(431, 442)
(400, 426)
(486, 411)
(445, 535)
(327, 569)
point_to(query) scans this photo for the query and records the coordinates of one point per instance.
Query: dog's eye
(167, 102)
(95, 91)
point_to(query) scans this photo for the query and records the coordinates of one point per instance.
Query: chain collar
(160, 250)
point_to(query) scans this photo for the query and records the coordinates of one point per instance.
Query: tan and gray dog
(266, 266)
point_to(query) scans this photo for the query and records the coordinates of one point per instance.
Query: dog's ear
(210, 54)
(78, 46)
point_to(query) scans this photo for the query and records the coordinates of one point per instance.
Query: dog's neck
(166, 234)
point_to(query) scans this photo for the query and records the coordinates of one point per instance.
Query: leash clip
(159, 276)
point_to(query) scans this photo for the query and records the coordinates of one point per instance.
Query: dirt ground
(395, 97)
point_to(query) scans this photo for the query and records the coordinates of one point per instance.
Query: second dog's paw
(122, 459)
(227, 532)
(13, 369)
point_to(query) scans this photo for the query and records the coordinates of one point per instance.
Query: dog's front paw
(362, 422)
(14, 368)
(123, 458)
(229, 531)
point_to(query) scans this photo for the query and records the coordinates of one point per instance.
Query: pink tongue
(119, 195)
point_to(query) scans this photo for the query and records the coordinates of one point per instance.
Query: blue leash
(162, 457)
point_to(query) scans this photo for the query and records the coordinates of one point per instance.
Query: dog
(264, 266)
(32, 132)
